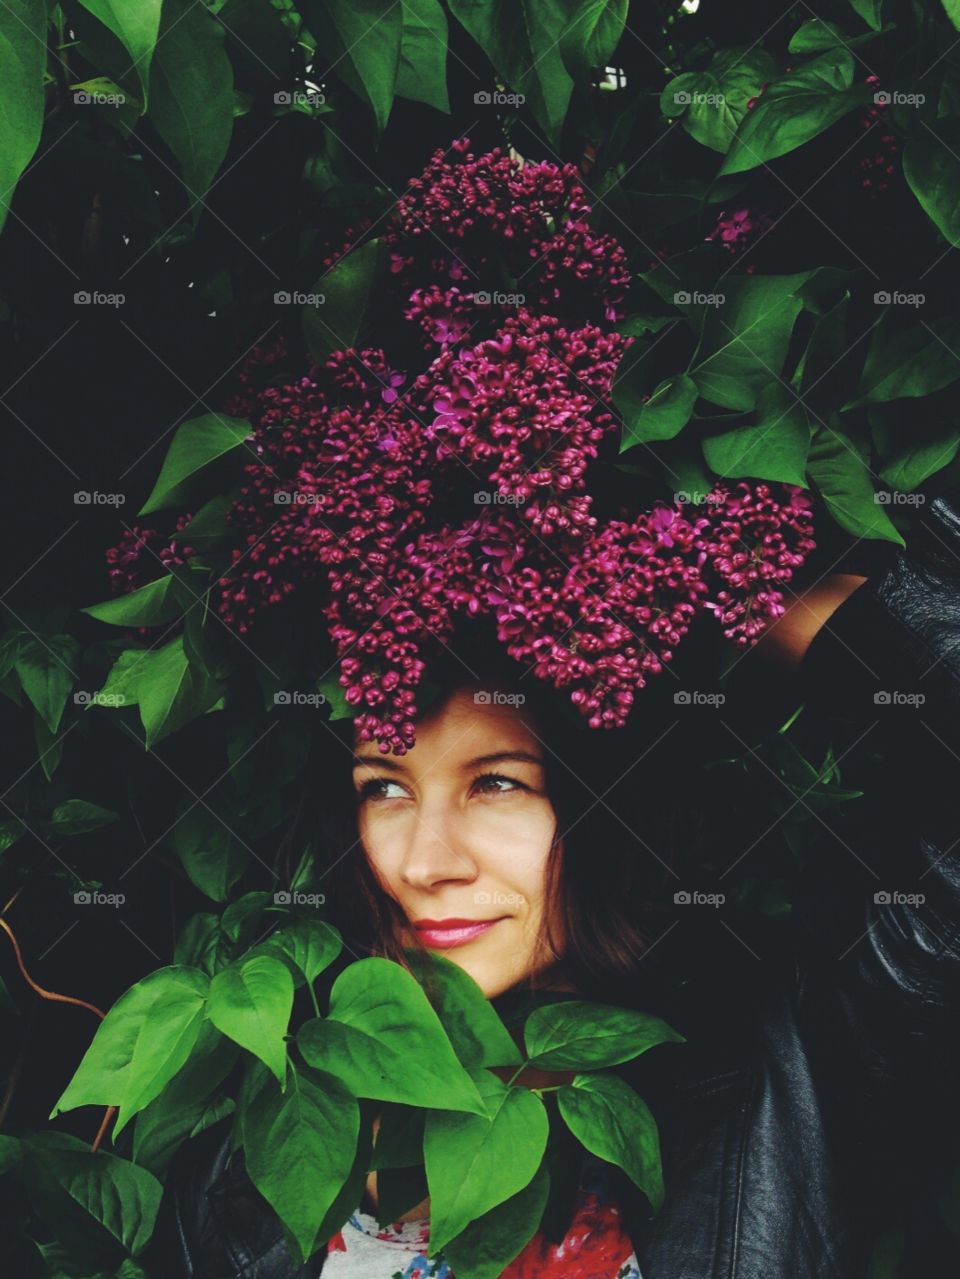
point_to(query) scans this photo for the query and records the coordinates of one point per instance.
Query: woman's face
(464, 853)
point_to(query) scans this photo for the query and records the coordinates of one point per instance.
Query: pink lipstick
(442, 934)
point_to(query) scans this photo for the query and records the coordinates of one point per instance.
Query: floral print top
(595, 1247)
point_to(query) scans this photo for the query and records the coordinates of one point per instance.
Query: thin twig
(60, 999)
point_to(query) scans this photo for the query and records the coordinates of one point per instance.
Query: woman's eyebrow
(524, 757)
(520, 756)
(382, 760)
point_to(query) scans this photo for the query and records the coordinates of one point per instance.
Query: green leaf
(362, 39)
(574, 1035)
(10, 1150)
(591, 38)
(522, 41)
(815, 35)
(179, 1111)
(773, 448)
(195, 445)
(869, 11)
(399, 1142)
(242, 918)
(45, 666)
(478, 1035)
(251, 1004)
(422, 74)
(23, 48)
(209, 526)
(9, 646)
(932, 172)
(310, 945)
(170, 690)
(907, 361)
(613, 1123)
(136, 26)
(49, 747)
(77, 817)
(346, 290)
(354, 1186)
(794, 109)
(336, 696)
(744, 341)
(10, 832)
(151, 605)
(476, 1162)
(838, 466)
(299, 1148)
(823, 373)
(486, 1248)
(909, 459)
(66, 1182)
(258, 40)
(639, 325)
(202, 944)
(713, 102)
(209, 852)
(140, 1045)
(192, 95)
(120, 688)
(380, 1019)
(662, 416)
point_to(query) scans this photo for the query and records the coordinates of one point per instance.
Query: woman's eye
(487, 782)
(372, 788)
(500, 777)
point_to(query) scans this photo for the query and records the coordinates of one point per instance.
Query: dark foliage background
(199, 208)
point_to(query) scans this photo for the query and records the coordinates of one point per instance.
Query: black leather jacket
(805, 1102)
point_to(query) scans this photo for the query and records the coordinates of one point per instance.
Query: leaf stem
(60, 999)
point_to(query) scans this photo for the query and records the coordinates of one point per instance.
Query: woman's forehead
(468, 716)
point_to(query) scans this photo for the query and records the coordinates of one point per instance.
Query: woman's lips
(442, 934)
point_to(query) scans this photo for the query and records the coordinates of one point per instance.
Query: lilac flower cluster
(414, 497)
(880, 167)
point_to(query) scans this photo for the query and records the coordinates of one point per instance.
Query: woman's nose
(437, 850)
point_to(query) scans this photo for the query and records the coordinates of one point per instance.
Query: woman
(772, 1113)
